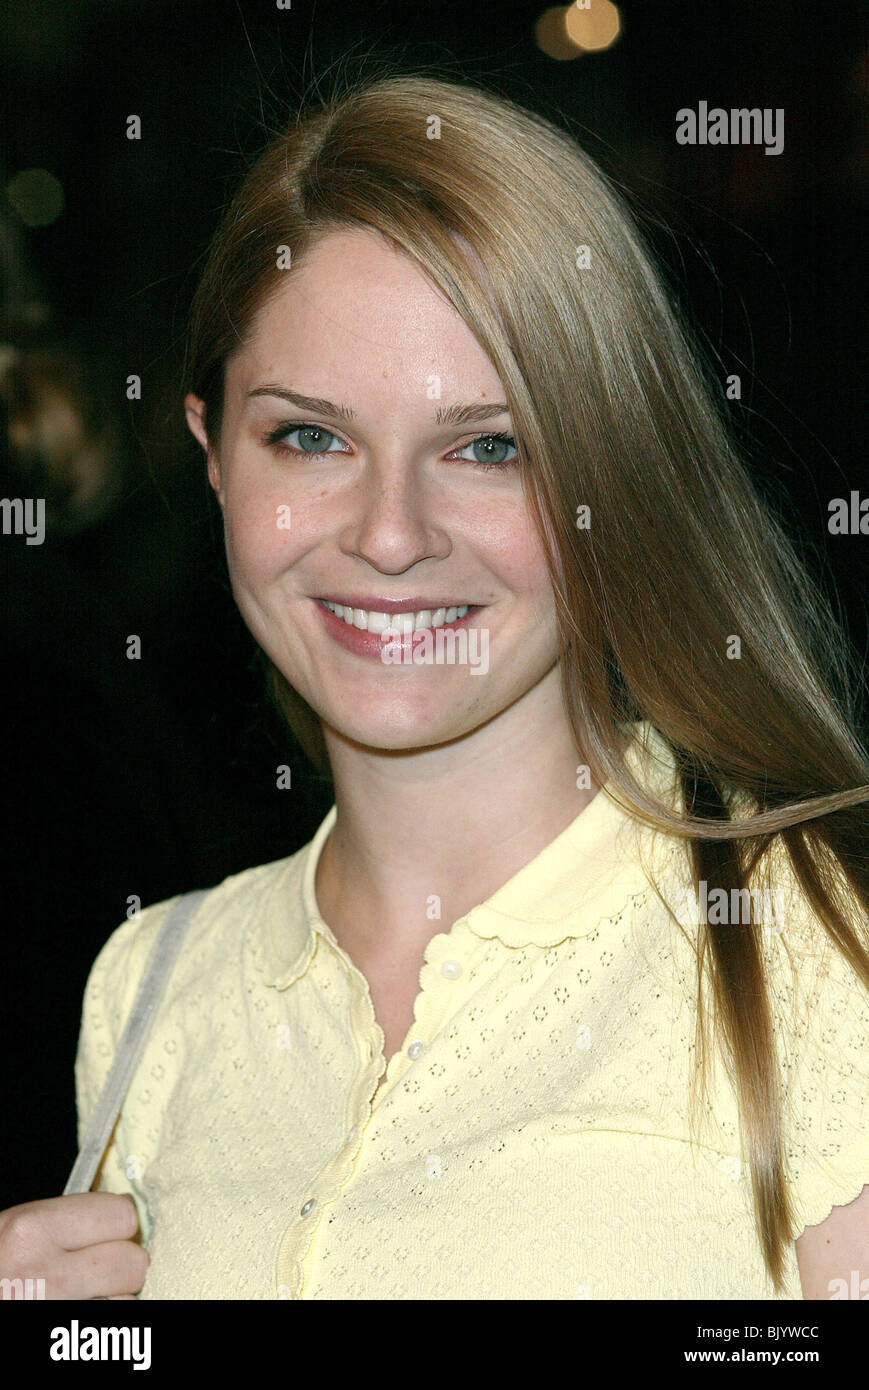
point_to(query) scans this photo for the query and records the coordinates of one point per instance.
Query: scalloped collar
(589, 872)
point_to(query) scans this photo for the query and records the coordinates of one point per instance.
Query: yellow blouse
(531, 1140)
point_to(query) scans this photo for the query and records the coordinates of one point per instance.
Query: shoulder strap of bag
(138, 1025)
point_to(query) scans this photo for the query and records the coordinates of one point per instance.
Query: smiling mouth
(410, 620)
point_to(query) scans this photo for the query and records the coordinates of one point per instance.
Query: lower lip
(371, 644)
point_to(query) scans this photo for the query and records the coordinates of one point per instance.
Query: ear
(194, 409)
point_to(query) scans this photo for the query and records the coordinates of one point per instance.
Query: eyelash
(274, 440)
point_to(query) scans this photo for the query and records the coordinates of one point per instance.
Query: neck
(438, 830)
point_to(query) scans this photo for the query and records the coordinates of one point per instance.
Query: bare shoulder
(833, 1257)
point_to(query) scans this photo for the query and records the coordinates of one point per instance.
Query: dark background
(156, 776)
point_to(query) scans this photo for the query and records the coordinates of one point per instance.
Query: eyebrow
(453, 415)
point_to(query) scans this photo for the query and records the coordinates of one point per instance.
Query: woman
(567, 998)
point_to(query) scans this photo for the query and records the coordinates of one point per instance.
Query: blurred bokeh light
(36, 196)
(594, 28)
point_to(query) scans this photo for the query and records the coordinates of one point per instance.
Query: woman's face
(379, 501)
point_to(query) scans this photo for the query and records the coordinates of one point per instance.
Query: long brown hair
(682, 602)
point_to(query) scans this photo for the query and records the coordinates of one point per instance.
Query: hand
(81, 1245)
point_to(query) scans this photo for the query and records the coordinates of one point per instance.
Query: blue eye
(492, 445)
(492, 458)
(283, 431)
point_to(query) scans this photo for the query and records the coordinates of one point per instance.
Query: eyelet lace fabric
(531, 1138)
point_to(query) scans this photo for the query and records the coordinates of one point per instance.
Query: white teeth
(399, 622)
(378, 622)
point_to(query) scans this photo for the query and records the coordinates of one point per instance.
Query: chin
(403, 724)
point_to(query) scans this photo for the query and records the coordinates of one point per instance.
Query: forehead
(358, 306)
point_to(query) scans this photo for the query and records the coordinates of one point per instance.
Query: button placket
(451, 969)
(299, 1240)
(431, 1006)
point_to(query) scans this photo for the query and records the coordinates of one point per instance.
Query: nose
(397, 520)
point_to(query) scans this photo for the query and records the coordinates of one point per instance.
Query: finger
(103, 1271)
(79, 1218)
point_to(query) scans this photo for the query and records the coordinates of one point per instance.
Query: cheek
(262, 533)
(254, 546)
(509, 539)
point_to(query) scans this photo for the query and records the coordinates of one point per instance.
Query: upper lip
(393, 605)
